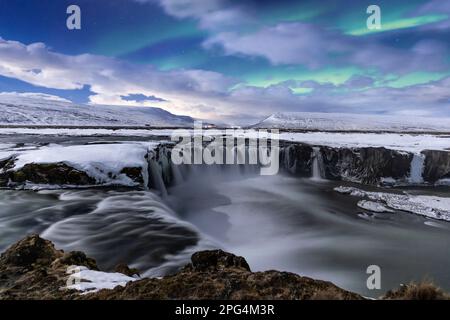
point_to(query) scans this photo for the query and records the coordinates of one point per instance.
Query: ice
(373, 206)
(429, 206)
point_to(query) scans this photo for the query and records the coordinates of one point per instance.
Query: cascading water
(156, 175)
(317, 165)
(417, 166)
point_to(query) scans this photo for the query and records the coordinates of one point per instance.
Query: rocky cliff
(33, 269)
(368, 165)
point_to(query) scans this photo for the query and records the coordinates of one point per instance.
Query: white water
(417, 166)
(317, 165)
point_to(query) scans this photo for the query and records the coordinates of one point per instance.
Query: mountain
(353, 122)
(42, 109)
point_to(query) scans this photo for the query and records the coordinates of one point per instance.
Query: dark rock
(50, 173)
(134, 173)
(365, 165)
(78, 258)
(33, 269)
(126, 270)
(437, 165)
(5, 165)
(30, 250)
(297, 159)
(211, 260)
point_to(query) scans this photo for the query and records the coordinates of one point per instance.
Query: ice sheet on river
(428, 206)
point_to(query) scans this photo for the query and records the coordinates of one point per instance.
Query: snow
(353, 122)
(88, 281)
(41, 109)
(395, 141)
(401, 142)
(429, 206)
(100, 161)
(373, 206)
(76, 132)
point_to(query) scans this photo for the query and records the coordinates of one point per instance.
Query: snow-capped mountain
(42, 109)
(353, 122)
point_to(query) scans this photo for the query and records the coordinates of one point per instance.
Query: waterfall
(417, 165)
(155, 172)
(317, 165)
(156, 177)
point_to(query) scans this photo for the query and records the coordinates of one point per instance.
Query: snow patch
(103, 162)
(88, 281)
(353, 122)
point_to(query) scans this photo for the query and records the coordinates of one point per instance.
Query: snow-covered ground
(35, 109)
(428, 206)
(396, 141)
(353, 122)
(88, 281)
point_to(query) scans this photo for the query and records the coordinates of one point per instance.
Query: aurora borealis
(233, 61)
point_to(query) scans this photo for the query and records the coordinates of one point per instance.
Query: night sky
(233, 61)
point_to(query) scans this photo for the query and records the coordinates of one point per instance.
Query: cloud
(314, 47)
(33, 95)
(109, 79)
(435, 7)
(287, 43)
(211, 14)
(308, 44)
(207, 94)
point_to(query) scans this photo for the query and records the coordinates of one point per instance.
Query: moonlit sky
(232, 61)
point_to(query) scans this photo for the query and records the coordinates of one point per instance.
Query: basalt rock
(126, 270)
(134, 173)
(297, 159)
(5, 165)
(54, 174)
(365, 165)
(213, 260)
(437, 165)
(50, 173)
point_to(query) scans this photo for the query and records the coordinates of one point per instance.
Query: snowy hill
(42, 109)
(353, 122)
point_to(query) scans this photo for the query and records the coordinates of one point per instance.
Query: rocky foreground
(33, 269)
